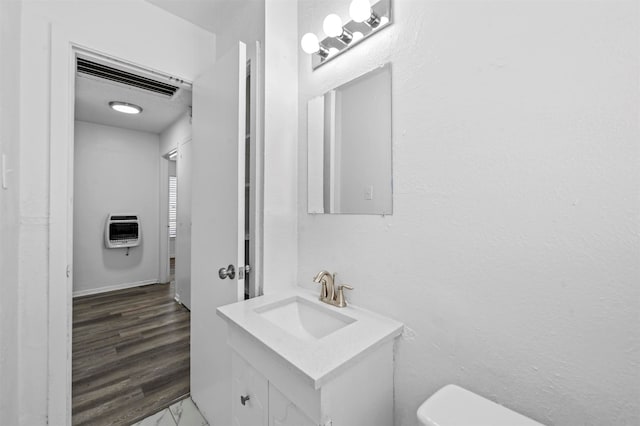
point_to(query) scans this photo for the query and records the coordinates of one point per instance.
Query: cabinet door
(283, 412)
(250, 395)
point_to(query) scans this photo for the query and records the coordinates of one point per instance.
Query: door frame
(64, 48)
(180, 271)
(64, 51)
(256, 166)
(165, 251)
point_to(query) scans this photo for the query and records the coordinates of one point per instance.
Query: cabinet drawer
(250, 393)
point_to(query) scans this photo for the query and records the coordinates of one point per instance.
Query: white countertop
(322, 359)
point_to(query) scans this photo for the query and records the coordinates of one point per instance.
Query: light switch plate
(368, 192)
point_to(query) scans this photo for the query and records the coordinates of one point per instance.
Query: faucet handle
(324, 292)
(341, 302)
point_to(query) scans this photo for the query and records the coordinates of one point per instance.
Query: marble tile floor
(182, 413)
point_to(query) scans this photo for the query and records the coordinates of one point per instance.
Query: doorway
(172, 226)
(65, 43)
(177, 252)
(130, 339)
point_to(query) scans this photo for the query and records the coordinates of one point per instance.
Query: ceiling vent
(85, 66)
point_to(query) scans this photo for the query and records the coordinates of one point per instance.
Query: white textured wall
(230, 21)
(177, 132)
(513, 252)
(9, 209)
(116, 171)
(280, 145)
(239, 21)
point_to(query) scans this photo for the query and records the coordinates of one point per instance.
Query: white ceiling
(94, 94)
(206, 14)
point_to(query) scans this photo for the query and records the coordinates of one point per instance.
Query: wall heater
(122, 230)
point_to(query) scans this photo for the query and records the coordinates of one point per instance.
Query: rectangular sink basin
(304, 319)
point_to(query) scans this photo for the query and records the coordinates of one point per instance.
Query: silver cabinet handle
(244, 399)
(228, 272)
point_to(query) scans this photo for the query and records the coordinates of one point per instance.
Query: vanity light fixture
(310, 45)
(366, 19)
(332, 27)
(125, 107)
(360, 11)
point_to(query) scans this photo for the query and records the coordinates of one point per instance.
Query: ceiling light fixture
(125, 107)
(366, 19)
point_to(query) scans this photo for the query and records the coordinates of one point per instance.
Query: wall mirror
(349, 147)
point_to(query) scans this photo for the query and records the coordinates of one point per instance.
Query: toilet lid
(455, 406)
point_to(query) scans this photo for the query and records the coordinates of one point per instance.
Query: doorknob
(244, 399)
(228, 272)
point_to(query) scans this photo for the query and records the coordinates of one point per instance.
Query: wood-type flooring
(130, 355)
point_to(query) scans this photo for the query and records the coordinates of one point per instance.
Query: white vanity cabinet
(256, 402)
(284, 378)
(361, 395)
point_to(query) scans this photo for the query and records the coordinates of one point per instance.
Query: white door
(217, 226)
(183, 240)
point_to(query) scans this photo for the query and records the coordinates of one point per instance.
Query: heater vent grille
(85, 66)
(122, 230)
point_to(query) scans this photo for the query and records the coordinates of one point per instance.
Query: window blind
(173, 205)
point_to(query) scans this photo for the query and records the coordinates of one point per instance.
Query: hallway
(130, 354)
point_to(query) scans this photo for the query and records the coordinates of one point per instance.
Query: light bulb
(309, 43)
(332, 25)
(357, 35)
(383, 20)
(360, 10)
(333, 51)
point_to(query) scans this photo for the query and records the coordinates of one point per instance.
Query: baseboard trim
(107, 288)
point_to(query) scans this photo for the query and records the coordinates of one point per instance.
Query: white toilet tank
(455, 406)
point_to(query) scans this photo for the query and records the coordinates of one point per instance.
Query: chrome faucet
(328, 293)
(327, 280)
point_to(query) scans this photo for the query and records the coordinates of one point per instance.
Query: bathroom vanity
(298, 361)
